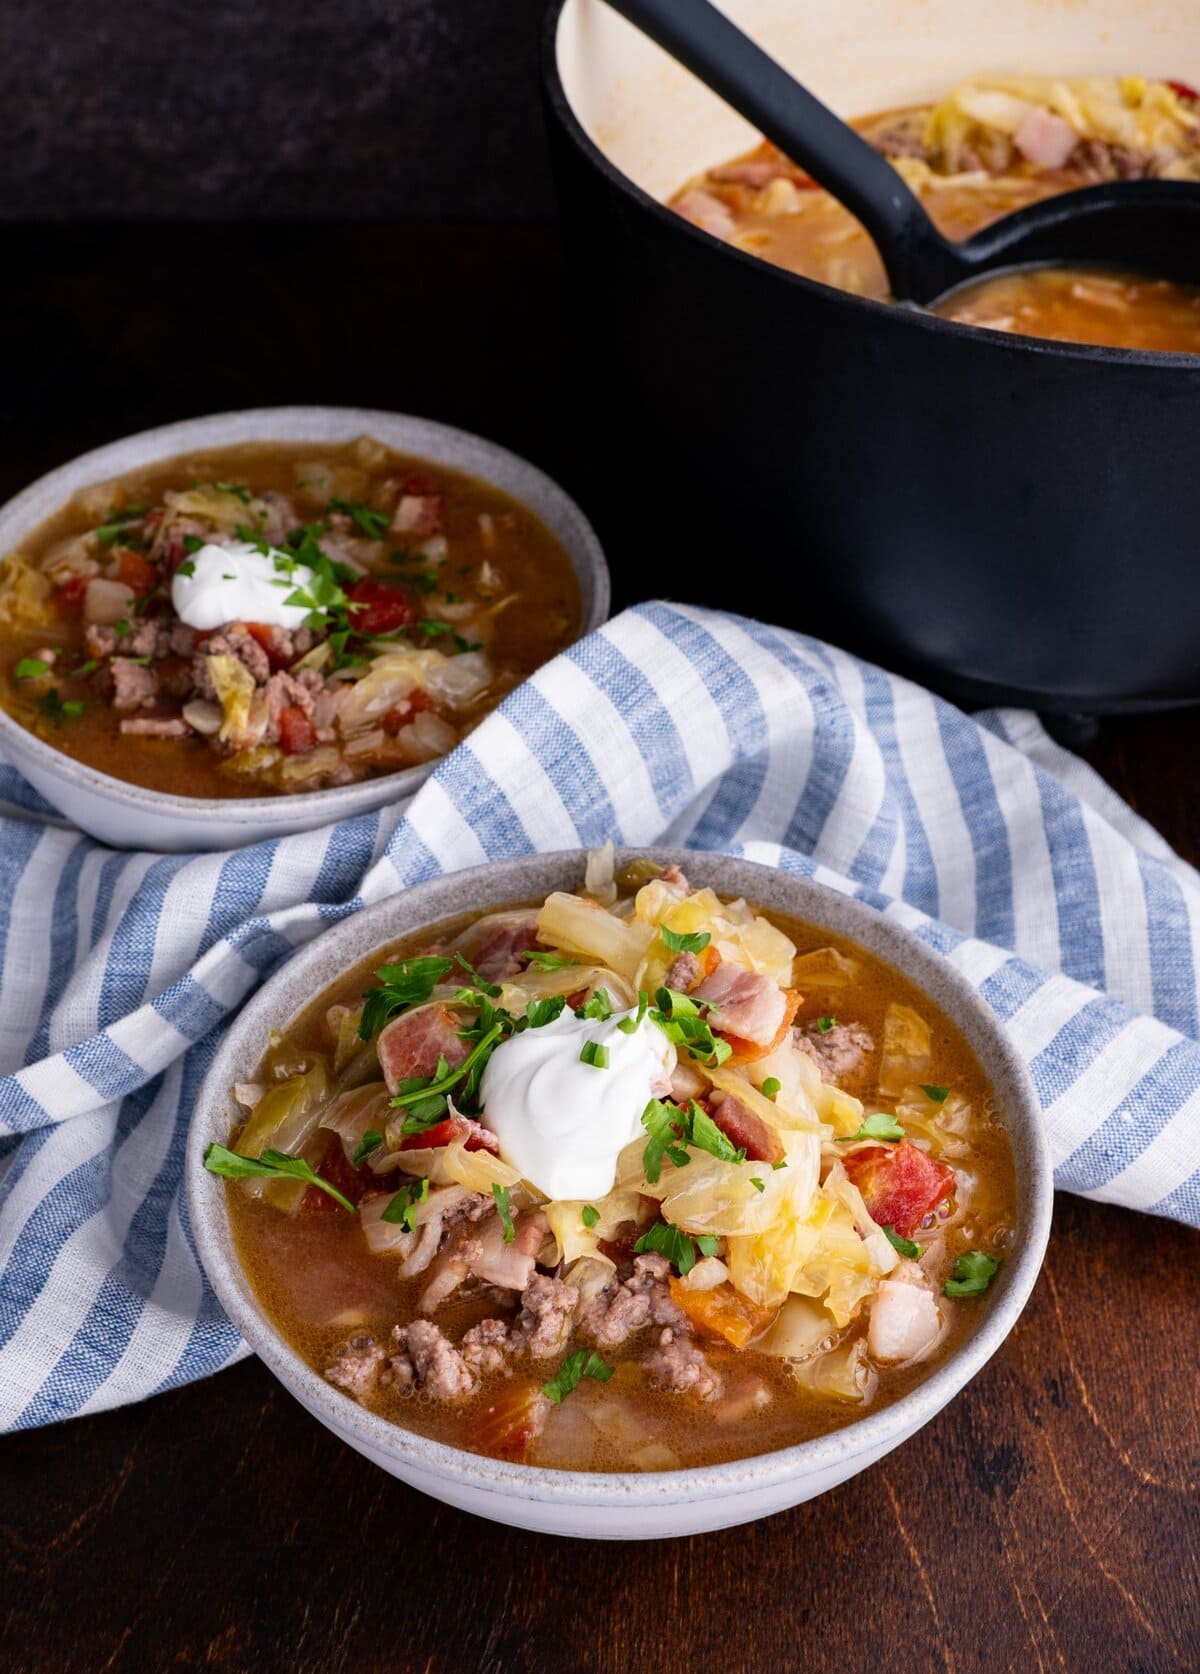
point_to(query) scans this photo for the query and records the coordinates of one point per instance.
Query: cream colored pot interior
(659, 125)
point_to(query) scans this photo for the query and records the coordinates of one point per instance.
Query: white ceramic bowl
(129, 816)
(619, 1505)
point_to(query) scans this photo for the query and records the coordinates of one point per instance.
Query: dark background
(223, 108)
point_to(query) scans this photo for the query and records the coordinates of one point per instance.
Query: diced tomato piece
(378, 608)
(335, 1167)
(69, 597)
(271, 641)
(402, 713)
(135, 571)
(1182, 91)
(297, 735)
(900, 1184)
(477, 1137)
(723, 1311)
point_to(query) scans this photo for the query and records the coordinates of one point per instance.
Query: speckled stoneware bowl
(129, 816)
(619, 1505)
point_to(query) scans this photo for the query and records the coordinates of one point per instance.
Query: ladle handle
(704, 41)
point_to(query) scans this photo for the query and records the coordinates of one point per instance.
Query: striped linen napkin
(1075, 921)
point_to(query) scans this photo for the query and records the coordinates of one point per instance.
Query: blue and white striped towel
(1077, 923)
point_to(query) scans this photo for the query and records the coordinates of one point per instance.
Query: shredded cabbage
(907, 1050)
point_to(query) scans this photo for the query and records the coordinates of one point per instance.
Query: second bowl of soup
(257, 622)
(619, 1189)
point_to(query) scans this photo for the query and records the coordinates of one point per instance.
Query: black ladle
(1149, 225)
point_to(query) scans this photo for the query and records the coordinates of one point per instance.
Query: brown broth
(545, 618)
(319, 1283)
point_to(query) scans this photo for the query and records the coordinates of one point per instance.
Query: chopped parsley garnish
(373, 523)
(876, 1126)
(905, 1246)
(433, 629)
(593, 1053)
(971, 1274)
(671, 1130)
(322, 596)
(771, 1086)
(370, 1141)
(666, 1239)
(188, 567)
(631, 1025)
(598, 1009)
(191, 543)
(87, 667)
(272, 1165)
(491, 989)
(590, 1215)
(584, 1363)
(500, 1193)
(401, 1211)
(694, 941)
(410, 983)
(759, 1185)
(547, 961)
(237, 489)
(540, 1012)
(677, 1017)
(30, 668)
(53, 706)
(252, 537)
(937, 1095)
(108, 534)
(825, 1024)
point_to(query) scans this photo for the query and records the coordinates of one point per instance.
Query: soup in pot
(631, 1178)
(992, 146)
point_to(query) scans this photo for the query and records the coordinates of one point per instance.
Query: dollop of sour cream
(563, 1122)
(239, 583)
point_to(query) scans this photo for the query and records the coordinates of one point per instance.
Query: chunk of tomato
(477, 1137)
(297, 735)
(337, 1168)
(135, 571)
(1182, 90)
(900, 1184)
(378, 608)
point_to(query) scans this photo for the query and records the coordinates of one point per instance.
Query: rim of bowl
(882, 934)
(915, 318)
(267, 424)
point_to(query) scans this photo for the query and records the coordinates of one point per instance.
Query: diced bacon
(744, 1003)
(706, 212)
(481, 1249)
(744, 1127)
(900, 1184)
(411, 1045)
(418, 514)
(1044, 138)
(496, 957)
(476, 1136)
(904, 1321)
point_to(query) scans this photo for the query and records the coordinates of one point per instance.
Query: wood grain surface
(1048, 1519)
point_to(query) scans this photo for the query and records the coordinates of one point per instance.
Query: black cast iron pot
(1007, 520)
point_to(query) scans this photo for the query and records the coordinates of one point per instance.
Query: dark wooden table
(1048, 1519)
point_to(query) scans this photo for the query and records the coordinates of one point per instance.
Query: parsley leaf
(400, 1211)
(540, 1012)
(370, 1141)
(694, 941)
(547, 961)
(584, 1363)
(57, 711)
(705, 1135)
(598, 1008)
(187, 568)
(590, 1215)
(372, 523)
(972, 1274)
(491, 989)
(825, 1024)
(666, 1125)
(593, 1053)
(30, 668)
(410, 983)
(905, 1246)
(668, 1240)
(879, 1125)
(938, 1095)
(191, 544)
(271, 1165)
(694, 1033)
(500, 1193)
